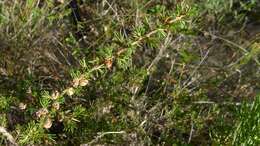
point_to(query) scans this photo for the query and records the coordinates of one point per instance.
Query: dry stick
(65, 58)
(186, 84)
(9, 137)
(167, 42)
(232, 43)
(137, 15)
(165, 45)
(191, 132)
(111, 7)
(169, 73)
(103, 134)
(162, 50)
(228, 41)
(212, 102)
(157, 58)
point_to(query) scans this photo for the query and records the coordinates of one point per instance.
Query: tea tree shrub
(129, 72)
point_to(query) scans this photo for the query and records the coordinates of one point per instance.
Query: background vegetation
(139, 72)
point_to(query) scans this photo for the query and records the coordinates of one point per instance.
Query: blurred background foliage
(140, 72)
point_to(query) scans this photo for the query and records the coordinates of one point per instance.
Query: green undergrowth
(130, 73)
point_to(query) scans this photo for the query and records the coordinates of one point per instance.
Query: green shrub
(139, 73)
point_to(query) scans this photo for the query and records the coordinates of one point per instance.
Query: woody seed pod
(70, 91)
(48, 123)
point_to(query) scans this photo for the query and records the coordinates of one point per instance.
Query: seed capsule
(83, 82)
(22, 106)
(70, 91)
(42, 112)
(55, 95)
(48, 123)
(56, 105)
(76, 82)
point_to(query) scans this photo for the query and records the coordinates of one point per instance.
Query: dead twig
(214, 103)
(102, 135)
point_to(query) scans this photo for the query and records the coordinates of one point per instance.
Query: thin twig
(246, 52)
(157, 58)
(191, 132)
(212, 102)
(228, 41)
(162, 50)
(169, 73)
(62, 54)
(186, 84)
(103, 134)
(146, 36)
